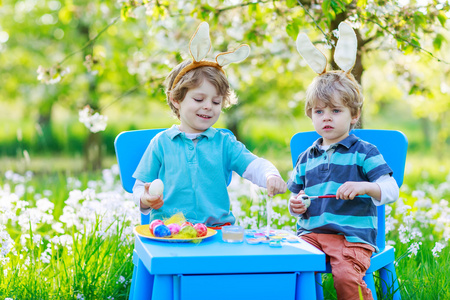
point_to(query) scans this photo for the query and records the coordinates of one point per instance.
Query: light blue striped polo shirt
(318, 174)
(195, 176)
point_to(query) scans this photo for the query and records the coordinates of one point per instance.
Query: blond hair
(193, 79)
(333, 85)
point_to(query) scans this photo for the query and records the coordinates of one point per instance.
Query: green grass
(97, 264)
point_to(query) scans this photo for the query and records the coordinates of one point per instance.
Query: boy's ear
(355, 118)
(174, 102)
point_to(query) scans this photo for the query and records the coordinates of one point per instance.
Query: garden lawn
(65, 237)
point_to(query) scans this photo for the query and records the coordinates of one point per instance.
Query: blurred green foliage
(113, 56)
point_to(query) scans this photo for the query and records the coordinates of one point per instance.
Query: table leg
(306, 286)
(143, 283)
(162, 288)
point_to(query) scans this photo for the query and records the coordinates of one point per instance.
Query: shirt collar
(173, 131)
(347, 142)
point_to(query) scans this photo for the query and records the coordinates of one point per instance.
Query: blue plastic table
(217, 270)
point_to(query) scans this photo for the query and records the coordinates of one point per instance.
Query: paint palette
(274, 239)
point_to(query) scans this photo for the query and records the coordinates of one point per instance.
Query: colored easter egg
(162, 231)
(153, 224)
(201, 228)
(306, 200)
(187, 224)
(187, 232)
(174, 228)
(156, 188)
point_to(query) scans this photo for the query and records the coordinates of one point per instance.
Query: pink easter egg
(153, 224)
(174, 228)
(187, 224)
(201, 228)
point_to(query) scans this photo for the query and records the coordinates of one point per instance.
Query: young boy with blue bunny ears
(341, 164)
(193, 159)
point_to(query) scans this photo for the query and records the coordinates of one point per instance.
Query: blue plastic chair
(130, 146)
(393, 146)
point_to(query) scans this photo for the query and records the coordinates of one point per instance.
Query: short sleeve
(239, 156)
(295, 183)
(150, 164)
(375, 166)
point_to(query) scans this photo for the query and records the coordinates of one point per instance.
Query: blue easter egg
(162, 231)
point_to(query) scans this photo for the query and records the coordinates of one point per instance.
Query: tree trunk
(93, 152)
(93, 145)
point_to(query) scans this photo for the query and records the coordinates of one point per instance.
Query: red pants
(349, 263)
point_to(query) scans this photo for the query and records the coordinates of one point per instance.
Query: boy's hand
(350, 189)
(296, 204)
(275, 185)
(147, 200)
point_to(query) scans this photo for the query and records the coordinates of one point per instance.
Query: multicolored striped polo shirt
(320, 172)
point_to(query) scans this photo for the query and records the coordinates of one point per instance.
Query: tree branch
(130, 91)
(317, 25)
(90, 42)
(398, 37)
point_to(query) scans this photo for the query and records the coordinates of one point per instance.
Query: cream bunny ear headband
(199, 47)
(344, 54)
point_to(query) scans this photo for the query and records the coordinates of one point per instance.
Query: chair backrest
(392, 144)
(130, 146)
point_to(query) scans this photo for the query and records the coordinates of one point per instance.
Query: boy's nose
(207, 105)
(327, 117)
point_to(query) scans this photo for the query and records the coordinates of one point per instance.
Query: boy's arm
(264, 174)
(138, 191)
(383, 190)
(389, 190)
(144, 199)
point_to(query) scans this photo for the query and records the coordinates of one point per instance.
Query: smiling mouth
(204, 116)
(327, 127)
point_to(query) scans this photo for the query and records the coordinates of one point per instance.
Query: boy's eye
(318, 111)
(198, 100)
(336, 111)
(217, 102)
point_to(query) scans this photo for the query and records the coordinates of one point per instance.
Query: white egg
(156, 188)
(305, 199)
(306, 202)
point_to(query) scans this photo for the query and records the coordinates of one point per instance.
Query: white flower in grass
(45, 205)
(80, 296)
(390, 224)
(437, 249)
(120, 280)
(73, 183)
(58, 227)
(46, 256)
(6, 243)
(37, 238)
(414, 248)
(418, 194)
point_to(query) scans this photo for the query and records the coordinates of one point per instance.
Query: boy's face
(332, 123)
(200, 108)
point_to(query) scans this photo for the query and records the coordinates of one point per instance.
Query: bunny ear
(200, 43)
(345, 53)
(314, 58)
(241, 53)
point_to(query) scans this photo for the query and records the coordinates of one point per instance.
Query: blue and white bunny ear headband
(344, 54)
(199, 47)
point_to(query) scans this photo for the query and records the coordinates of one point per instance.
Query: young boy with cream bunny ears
(193, 159)
(341, 164)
